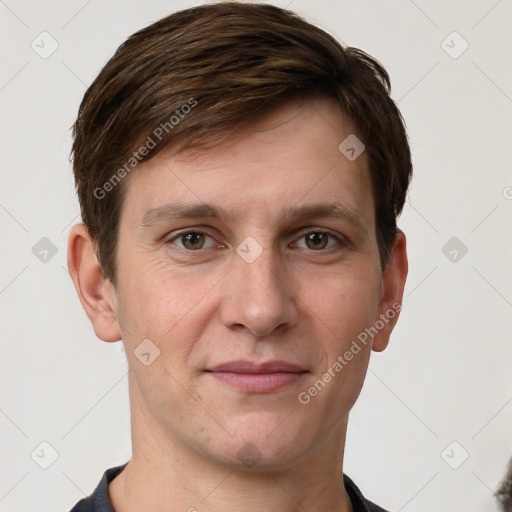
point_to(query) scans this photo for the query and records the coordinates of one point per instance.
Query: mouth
(251, 377)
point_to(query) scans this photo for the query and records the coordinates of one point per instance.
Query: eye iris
(193, 240)
(318, 240)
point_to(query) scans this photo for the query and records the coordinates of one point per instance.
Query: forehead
(287, 158)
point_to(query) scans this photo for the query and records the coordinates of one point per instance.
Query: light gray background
(445, 376)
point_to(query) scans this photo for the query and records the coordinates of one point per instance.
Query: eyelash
(339, 239)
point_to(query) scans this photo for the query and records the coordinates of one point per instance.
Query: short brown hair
(230, 61)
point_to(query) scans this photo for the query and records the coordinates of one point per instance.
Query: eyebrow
(170, 212)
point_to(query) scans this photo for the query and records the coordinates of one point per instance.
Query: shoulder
(99, 500)
(359, 502)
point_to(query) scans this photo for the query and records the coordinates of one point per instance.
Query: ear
(95, 291)
(392, 290)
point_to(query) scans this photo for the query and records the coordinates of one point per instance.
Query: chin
(262, 442)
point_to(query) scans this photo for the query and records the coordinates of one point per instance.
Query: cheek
(168, 306)
(346, 302)
(160, 309)
(349, 305)
(337, 380)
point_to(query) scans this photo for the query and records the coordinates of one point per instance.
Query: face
(251, 268)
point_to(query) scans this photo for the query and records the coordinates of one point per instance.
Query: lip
(252, 377)
(242, 366)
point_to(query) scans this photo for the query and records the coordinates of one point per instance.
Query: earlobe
(95, 291)
(393, 283)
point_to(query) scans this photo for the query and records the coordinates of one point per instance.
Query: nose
(259, 296)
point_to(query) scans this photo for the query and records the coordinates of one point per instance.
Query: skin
(304, 303)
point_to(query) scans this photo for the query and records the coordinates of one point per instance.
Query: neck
(165, 474)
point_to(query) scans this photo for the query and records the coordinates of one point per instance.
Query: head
(224, 220)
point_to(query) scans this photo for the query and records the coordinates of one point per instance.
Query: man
(240, 174)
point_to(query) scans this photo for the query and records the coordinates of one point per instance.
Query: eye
(192, 240)
(318, 240)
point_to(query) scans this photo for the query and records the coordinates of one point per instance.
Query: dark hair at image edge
(504, 492)
(236, 61)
